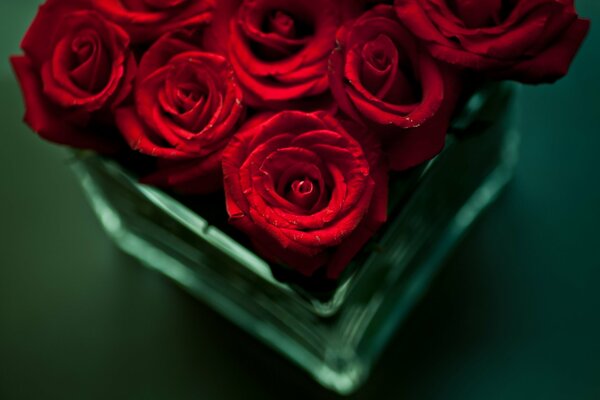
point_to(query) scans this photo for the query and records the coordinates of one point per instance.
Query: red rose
(146, 20)
(187, 105)
(278, 48)
(532, 41)
(77, 66)
(307, 193)
(382, 76)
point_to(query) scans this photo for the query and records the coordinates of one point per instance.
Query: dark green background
(515, 313)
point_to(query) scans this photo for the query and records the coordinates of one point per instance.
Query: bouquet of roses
(297, 110)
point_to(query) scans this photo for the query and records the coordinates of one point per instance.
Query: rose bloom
(187, 106)
(532, 41)
(381, 75)
(278, 48)
(307, 193)
(146, 20)
(76, 68)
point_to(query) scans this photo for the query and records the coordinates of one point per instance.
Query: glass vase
(337, 334)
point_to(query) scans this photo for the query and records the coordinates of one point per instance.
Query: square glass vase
(335, 338)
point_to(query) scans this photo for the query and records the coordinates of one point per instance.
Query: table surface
(514, 314)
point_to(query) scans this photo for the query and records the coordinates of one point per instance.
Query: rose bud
(187, 105)
(525, 40)
(147, 20)
(76, 68)
(306, 192)
(278, 48)
(381, 76)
